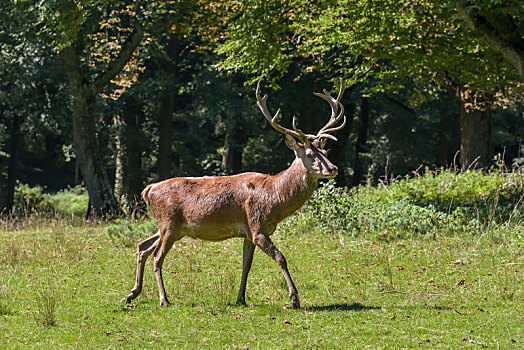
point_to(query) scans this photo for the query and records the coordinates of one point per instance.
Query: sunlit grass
(450, 292)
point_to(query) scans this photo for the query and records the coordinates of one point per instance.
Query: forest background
(111, 95)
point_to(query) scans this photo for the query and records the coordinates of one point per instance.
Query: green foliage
(72, 201)
(437, 204)
(490, 196)
(386, 40)
(30, 199)
(359, 213)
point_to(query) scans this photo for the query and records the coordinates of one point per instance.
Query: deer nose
(331, 168)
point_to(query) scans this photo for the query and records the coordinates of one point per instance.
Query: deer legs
(247, 259)
(160, 245)
(145, 248)
(162, 248)
(264, 242)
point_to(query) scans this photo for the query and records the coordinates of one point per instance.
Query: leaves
(392, 40)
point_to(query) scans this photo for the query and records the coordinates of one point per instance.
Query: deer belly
(215, 232)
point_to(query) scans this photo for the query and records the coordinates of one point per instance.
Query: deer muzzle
(329, 170)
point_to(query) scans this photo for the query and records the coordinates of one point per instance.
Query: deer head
(307, 147)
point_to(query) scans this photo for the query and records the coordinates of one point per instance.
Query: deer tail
(145, 194)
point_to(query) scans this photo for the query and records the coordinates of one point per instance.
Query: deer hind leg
(145, 248)
(247, 259)
(263, 241)
(167, 238)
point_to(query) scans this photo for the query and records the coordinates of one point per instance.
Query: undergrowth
(72, 201)
(441, 203)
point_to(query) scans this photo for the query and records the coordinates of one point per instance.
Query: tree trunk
(233, 150)
(499, 31)
(476, 140)
(90, 161)
(12, 168)
(167, 106)
(92, 168)
(133, 157)
(339, 148)
(476, 143)
(119, 159)
(361, 141)
(84, 88)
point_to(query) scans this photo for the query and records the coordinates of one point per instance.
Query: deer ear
(322, 142)
(291, 142)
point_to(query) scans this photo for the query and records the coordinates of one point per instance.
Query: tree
(394, 42)
(76, 28)
(22, 92)
(499, 24)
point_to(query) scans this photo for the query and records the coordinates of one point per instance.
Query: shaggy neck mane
(294, 186)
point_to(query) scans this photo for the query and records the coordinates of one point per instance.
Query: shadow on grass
(341, 307)
(122, 307)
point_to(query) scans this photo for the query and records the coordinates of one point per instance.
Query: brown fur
(248, 205)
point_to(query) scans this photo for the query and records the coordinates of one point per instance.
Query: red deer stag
(248, 205)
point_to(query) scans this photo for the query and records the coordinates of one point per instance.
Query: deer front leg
(145, 248)
(247, 259)
(264, 242)
(162, 248)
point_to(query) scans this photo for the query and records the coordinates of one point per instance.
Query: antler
(297, 133)
(326, 130)
(330, 127)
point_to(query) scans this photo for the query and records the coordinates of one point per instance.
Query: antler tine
(342, 89)
(334, 119)
(303, 136)
(336, 128)
(297, 133)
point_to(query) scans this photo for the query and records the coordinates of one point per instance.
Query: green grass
(60, 287)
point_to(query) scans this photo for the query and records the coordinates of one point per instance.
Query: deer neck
(294, 186)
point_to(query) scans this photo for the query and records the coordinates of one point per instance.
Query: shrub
(70, 201)
(436, 204)
(492, 195)
(30, 199)
(331, 210)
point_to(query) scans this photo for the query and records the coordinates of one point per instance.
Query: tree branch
(452, 87)
(126, 51)
(501, 35)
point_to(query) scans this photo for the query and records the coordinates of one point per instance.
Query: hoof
(127, 299)
(164, 303)
(295, 302)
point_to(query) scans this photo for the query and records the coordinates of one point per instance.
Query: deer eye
(309, 153)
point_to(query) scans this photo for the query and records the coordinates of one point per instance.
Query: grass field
(61, 286)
